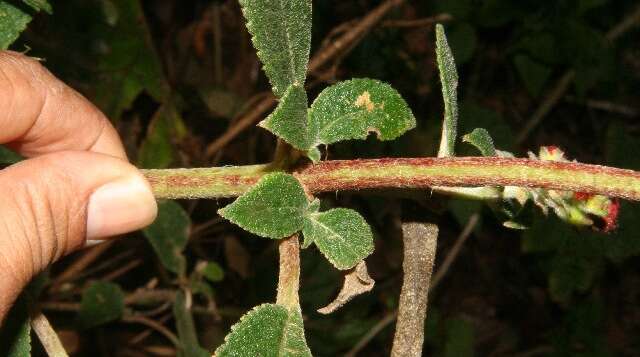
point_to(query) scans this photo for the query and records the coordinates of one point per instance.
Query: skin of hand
(76, 185)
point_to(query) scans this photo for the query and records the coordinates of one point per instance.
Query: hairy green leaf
(269, 330)
(101, 302)
(289, 120)
(353, 109)
(449, 80)
(168, 235)
(341, 234)
(481, 139)
(273, 208)
(281, 32)
(189, 345)
(15, 332)
(12, 22)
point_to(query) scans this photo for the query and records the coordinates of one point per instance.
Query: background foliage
(173, 76)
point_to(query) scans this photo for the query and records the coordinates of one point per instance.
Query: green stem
(418, 173)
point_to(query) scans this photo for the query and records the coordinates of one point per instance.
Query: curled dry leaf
(356, 281)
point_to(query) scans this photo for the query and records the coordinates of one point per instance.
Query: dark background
(174, 75)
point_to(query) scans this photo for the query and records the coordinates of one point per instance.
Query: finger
(40, 114)
(52, 203)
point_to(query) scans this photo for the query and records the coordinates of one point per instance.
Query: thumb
(50, 205)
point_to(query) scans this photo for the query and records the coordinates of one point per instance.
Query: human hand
(76, 186)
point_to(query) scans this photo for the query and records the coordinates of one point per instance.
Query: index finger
(40, 114)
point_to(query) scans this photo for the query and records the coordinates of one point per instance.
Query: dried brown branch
(80, 264)
(449, 259)
(47, 335)
(154, 326)
(420, 241)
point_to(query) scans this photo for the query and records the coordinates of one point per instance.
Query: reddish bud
(611, 220)
(582, 196)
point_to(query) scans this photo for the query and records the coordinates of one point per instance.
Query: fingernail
(119, 207)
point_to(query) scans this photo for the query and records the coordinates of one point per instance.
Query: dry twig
(47, 335)
(419, 241)
(449, 259)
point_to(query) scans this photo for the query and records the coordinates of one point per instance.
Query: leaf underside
(267, 330)
(449, 80)
(289, 120)
(273, 208)
(481, 139)
(341, 235)
(281, 32)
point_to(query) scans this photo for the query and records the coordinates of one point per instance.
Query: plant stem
(47, 335)
(419, 246)
(405, 173)
(289, 278)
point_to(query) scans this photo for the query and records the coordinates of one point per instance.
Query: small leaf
(289, 120)
(213, 272)
(39, 5)
(281, 32)
(168, 235)
(101, 302)
(481, 139)
(356, 282)
(273, 208)
(353, 109)
(15, 332)
(267, 330)
(449, 80)
(341, 234)
(12, 22)
(189, 345)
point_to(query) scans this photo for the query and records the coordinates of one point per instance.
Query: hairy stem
(289, 279)
(419, 246)
(409, 173)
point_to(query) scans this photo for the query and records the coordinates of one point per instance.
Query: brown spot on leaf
(364, 101)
